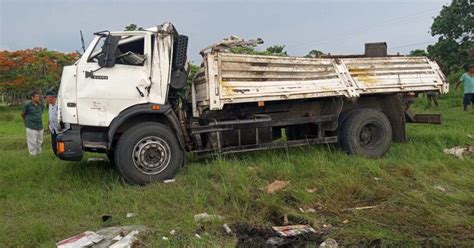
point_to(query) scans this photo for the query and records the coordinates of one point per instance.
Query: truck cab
(121, 77)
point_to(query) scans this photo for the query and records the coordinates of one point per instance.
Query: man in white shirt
(52, 117)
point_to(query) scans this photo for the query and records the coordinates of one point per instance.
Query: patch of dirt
(251, 236)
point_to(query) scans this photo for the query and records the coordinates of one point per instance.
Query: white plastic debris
(85, 239)
(117, 238)
(129, 215)
(165, 238)
(227, 229)
(312, 190)
(311, 210)
(198, 236)
(127, 241)
(170, 180)
(328, 243)
(460, 152)
(440, 188)
(205, 217)
(172, 232)
(290, 231)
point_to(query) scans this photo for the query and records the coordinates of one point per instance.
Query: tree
(133, 27)
(32, 69)
(314, 54)
(277, 50)
(418, 52)
(455, 27)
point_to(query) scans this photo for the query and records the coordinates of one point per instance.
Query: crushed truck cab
(127, 97)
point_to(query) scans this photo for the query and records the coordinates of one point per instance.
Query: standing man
(432, 97)
(468, 80)
(53, 117)
(31, 114)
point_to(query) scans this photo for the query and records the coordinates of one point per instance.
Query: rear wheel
(366, 132)
(148, 152)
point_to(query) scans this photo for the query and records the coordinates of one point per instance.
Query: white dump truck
(124, 97)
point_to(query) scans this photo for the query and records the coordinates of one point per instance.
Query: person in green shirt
(31, 114)
(468, 80)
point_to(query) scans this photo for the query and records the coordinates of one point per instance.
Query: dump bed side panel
(235, 78)
(394, 74)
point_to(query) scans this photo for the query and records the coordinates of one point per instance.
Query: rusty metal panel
(393, 74)
(235, 78)
(246, 78)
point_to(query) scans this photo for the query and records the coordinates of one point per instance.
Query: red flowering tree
(32, 69)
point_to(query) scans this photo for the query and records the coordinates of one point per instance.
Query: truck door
(102, 93)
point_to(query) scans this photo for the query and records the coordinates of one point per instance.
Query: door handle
(71, 104)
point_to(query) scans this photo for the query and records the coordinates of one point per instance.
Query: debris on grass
(205, 217)
(275, 241)
(276, 186)
(461, 151)
(198, 236)
(170, 180)
(227, 229)
(440, 188)
(126, 241)
(360, 208)
(312, 190)
(173, 232)
(115, 237)
(327, 226)
(376, 178)
(293, 230)
(130, 215)
(311, 210)
(471, 136)
(164, 238)
(252, 236)
(85, 239)
(301, 210)
(345, 221)
(328, 243)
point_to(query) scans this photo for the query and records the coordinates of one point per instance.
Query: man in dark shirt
(31, 114)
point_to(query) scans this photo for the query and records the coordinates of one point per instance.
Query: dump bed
(228, 78)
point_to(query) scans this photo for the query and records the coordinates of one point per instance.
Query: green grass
(43, 199)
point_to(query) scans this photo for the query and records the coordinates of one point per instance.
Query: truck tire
(366, 132)
(148, 152)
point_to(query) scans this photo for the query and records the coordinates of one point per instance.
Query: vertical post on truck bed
(393, 109)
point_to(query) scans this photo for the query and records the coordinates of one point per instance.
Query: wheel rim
(151, 155)
(370, 135)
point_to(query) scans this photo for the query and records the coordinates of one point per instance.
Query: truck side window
(131, 53)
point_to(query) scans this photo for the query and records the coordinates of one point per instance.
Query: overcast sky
(338, 27)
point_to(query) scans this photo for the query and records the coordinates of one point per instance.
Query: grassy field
(424, 197)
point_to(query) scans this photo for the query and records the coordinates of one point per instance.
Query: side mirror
(107, 57)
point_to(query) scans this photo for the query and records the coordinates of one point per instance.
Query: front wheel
(366, 132)
(148, 152)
